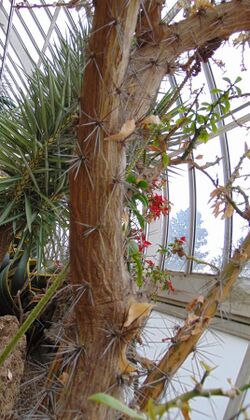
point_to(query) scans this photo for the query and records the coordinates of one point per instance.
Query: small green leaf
(165, 159)
(112, 402)
(200, 119)
(131, 179)
(28, 212)
(238, 79)
(206, 367)
(204, 136)
(239, 92)
(227, 80)
(214, 127)
(142, 184)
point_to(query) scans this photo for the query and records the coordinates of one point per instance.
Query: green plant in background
(37, 142)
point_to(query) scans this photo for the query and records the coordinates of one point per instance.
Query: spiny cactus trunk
(96, 200)
(96, 187)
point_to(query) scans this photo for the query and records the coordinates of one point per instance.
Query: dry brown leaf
(228, 211)
(154, 148)
(197, 301)
(125, 365)
(191, 319)
(63, 378)
(150, 119)
(216, 192)
(125, 219)
(138, 312)
(127, 129)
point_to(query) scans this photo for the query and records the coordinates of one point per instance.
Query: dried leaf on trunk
(191, 319)
(228, 211)
(138, 312)
(127, 129)
(63, 378)
(125, 366)
(193, 304)
(150, 119)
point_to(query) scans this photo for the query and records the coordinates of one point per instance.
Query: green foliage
(117, 405)
(37, 140)
(33, 315)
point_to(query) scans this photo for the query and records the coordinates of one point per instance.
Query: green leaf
(6, 212)
(140, 218)
(131, 179)
(227, 80)
(142, 198)
(132, 247)
(165, 160)
(204, 136)
(238, 79)
(200, 119)
(112, 402)
(239, 92)
(206, 367)
(139, 268)
(28, 212)
(142, 184)
(214, 127)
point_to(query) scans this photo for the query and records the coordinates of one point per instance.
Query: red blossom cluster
(142, 242)
(158, 205)
(159, 183)
(177, 246)
(170, 286)
(150, 263)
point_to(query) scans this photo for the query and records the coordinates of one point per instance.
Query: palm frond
(36, 134)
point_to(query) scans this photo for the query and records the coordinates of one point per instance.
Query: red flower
(142, 243)
(150, 263)
(183, 238)
(158, 205)
(170, 286)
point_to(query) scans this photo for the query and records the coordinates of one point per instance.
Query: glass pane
(236, 141)
(179, 218)
(209, 229)
(30, 47)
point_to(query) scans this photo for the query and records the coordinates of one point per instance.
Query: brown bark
(116, 88)
(96, 242)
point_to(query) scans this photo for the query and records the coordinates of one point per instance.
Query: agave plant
(37, 140)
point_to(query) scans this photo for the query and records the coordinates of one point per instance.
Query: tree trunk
(97, 199)
(97, 187)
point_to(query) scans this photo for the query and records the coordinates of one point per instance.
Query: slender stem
(33, 315)
(197, 392)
